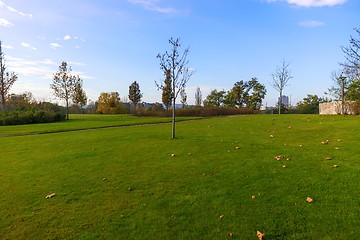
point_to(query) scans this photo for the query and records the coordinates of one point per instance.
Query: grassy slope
(182, 197)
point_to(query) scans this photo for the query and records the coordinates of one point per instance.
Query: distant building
(284, 100)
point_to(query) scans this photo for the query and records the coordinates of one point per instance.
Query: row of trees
(248, 94)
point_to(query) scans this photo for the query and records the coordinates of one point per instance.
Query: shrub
(195, 112)
(30, 116)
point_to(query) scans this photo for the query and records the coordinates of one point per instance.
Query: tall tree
(257, 96)
(198, 97)
(110, 103)
(175, 64)
(79, 96)
(167, 94)
(6, 79)
(215, 98)
(309, 105)
(280, 80)
(135, 94)
(183, 97)
(64, 84)
(246, 94)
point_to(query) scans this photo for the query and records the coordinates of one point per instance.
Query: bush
(30, 116)
(195, 112)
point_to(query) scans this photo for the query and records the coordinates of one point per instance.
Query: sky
(112, 43)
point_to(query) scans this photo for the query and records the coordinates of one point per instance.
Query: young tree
(174, 66)
(135, 94)
(198, 97)
(183, 97)
(6, 80)
(280, 80)
(64, 84)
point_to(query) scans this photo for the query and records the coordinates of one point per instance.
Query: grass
(124, 183)
(83, 122)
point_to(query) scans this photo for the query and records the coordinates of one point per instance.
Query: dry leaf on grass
(309, 199)
(260, 235)
(50, 195)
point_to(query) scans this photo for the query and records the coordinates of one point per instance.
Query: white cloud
(8, 46)
(311, 23)
(27, 67)
(312, 3)
(26, 45)
(5, 23)
(11, 9)
(153, 5)
(67, 37)
(55, 45)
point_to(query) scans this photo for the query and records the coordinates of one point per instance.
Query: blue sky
(111, 43)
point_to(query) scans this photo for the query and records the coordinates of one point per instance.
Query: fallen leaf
(260, 235)
(50, 195)
(309, 199)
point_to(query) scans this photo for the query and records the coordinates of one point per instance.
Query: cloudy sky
(111, 43)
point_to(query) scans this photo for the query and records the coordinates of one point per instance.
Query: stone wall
(335, 108)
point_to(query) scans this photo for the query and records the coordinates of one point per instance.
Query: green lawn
(124, 183)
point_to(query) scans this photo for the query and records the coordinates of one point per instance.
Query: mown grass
(83, 122)
(124, 183)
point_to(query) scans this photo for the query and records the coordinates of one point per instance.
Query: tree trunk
(280, 102)
(67, 109)
(3, 103)
(173, 120)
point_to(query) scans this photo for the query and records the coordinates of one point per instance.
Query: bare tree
(174, 64)
(280, 80)
(198, 97)
(6, 79)
(64, 84)
(352, 52)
